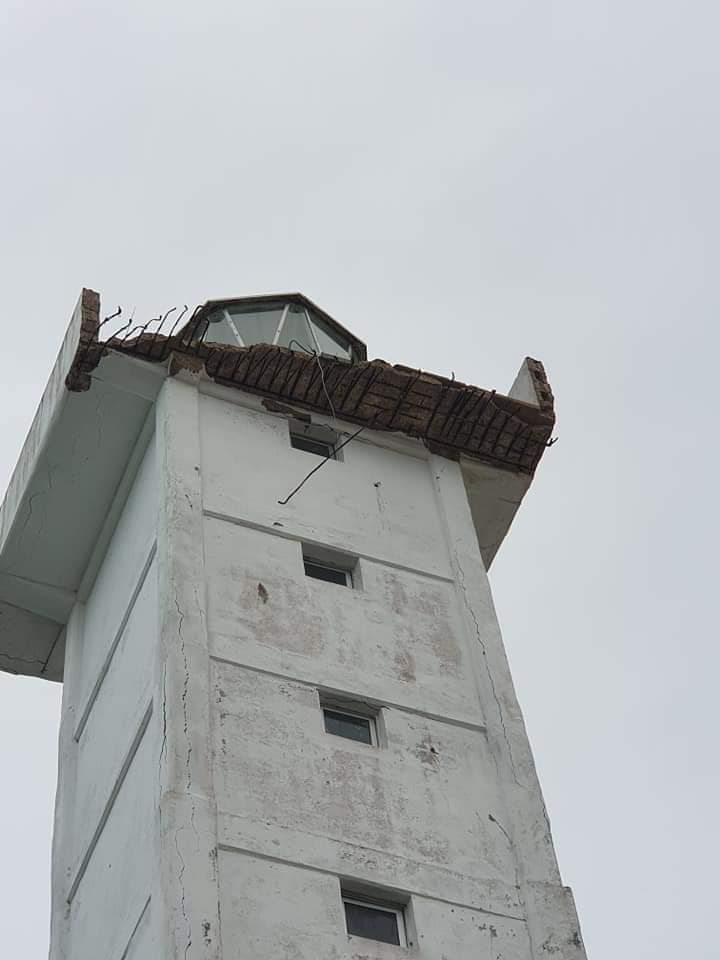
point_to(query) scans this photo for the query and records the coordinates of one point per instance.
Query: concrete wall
(379, 503)
(104, 845)
(394, 639)
(312, 923)
(203, 811)
(446, 812)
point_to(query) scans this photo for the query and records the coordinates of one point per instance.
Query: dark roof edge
(452, 418)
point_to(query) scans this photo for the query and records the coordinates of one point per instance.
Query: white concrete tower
(288, 725)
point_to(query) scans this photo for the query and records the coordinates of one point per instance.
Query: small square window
(352, 726)
(309, 445)
(323, 571)
(375, 920)
(314, 438)
(322, 563)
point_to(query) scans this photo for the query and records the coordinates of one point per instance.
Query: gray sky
(461, 184)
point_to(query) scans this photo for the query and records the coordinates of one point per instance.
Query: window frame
(331, 559)
(323, 331)
(231, 323)
(297, 441)
(386, 906)
(313, 323)
(339, 708)
(322, 565)
(315, 433)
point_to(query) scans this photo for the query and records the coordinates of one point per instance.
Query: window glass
(328, 342)
(302, 330)
(218, 330)
(309, 445)
(372, 922)
(318, 571)
(315, 438)
(296, 329)
(348, 725)
(257, 325)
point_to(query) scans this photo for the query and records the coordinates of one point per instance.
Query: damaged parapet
(453, 418)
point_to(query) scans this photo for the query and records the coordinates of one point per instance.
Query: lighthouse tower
(258, 564)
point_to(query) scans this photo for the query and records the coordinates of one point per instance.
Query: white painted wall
(377, 502)
(393, 640)
(104, 860)
(447, 811)
(203, 812)
(313, 923)
(109, 600)
(418, 799)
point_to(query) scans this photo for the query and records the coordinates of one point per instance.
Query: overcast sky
(461, 183)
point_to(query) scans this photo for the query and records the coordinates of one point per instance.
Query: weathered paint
(235, 817)
(98, 410)
(104, 864)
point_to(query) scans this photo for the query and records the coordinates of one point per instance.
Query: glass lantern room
(290, 321)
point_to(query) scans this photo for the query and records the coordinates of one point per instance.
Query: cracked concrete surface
(491, 679)
(238, 801)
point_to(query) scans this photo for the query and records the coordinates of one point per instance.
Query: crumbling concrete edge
(452, 418)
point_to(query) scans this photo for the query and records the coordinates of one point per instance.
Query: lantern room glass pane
(218, 330)
(287, 323)
(329, 343)
(295, 333)
(258, 323)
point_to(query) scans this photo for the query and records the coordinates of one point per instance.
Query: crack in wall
(516, 863)
(201, 611)
(491, 679)
(186, 685)
(12, 659)
(60, 636)
(31, 504)
(31, 501)
(163, 742)
(188, 759)
(461, 581)
(181, 878)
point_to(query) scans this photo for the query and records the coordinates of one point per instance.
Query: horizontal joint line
(299, 538)
(415, 711)
(302, 865)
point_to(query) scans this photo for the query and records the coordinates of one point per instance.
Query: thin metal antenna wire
(330, 456)
(314, 353)
(324, 386)
(317, 353)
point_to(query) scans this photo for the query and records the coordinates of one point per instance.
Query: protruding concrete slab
(60, 494)
(76, 465)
